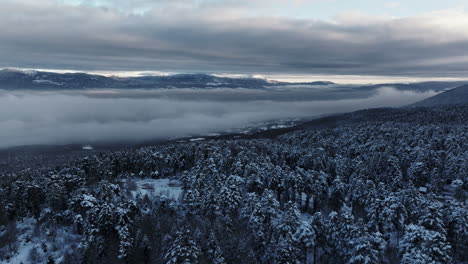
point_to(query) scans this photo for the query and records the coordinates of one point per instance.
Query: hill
(455, 96)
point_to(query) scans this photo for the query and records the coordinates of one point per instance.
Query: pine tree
(230, 196)
(393, 215)
(277, 182)
(367, 248)
(287, 251)
(56, 196)
(428, 243)
(183, 250)
(418, 173)
(290, 220)
(338, 192)
(394, 173)
(125, 241)
(416, 256)
(457, 219)
(342, 231)
(214, 251)
(307, 238)
(321, 228)
(190, 201)
(315, 187)
(269, 207)
(261, 220)
(432, 219)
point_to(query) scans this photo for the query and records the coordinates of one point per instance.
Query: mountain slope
(455, 96)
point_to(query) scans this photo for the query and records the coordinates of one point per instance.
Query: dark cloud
(29, 117)
(47, 35)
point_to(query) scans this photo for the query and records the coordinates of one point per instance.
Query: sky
(302, 9)
(287, 39)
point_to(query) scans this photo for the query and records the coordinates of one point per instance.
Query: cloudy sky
(411, 38)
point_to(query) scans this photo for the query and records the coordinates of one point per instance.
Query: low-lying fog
(62, 117)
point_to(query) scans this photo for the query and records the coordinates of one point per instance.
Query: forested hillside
(457, 95)
(374, 186)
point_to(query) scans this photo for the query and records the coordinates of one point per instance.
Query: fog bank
(105, 116)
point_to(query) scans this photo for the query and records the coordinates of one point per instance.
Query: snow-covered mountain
(454, 96)
(13, 79)
(19, 79)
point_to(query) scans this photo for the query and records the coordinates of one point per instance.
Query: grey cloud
(288, 93)
(87, 38)
(75, 117)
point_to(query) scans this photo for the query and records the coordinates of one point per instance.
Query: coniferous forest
(373, 186)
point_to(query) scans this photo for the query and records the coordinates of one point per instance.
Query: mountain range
(12, 79)
(19, 79)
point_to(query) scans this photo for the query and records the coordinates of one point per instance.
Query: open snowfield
(155, 187)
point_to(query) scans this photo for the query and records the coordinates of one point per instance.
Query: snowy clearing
(155, 187)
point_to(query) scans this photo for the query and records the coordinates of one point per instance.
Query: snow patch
(35, 243)
(46, 82)
(156, 187)
(196, 139)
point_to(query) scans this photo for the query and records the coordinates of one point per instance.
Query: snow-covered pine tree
(428, 244)
(183, 250)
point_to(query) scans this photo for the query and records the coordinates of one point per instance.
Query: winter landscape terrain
(233, 132)
(381, 185)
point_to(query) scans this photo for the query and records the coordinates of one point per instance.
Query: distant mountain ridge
(18, 79)
(13, 79)
(454, 96)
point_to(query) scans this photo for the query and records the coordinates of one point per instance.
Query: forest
(373, 186)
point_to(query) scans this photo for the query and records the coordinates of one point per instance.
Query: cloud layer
(44, 34)
(63, 117)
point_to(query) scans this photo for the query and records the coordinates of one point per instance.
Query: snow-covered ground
(155, 187)
(196, 139)
(87, 147)
(35, 243)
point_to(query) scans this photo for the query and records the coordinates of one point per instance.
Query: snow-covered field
(155, 187)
